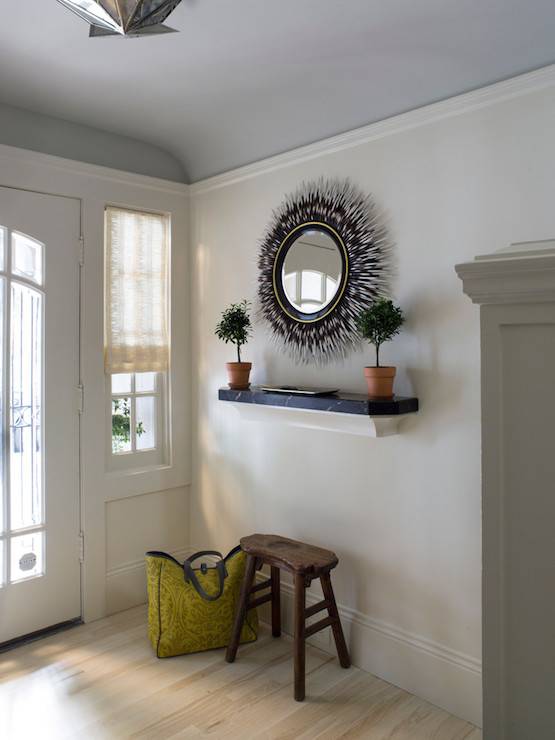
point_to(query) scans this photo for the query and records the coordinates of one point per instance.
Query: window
(135, 419)
(136, 346)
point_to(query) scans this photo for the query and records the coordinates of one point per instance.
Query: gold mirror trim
(344, 279)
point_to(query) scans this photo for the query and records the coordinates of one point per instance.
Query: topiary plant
(380, 323)
(235, 325)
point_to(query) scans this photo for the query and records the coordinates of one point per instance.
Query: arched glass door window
(22, 388)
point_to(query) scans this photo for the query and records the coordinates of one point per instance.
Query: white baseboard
(126, 584)
(447, 678)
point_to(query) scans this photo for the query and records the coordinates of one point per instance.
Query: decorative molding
(75, 167)
(521, 249)
(505, 278)
(458, 105)
(448, 678)
(132, 566)
(454, 106)
(436, 649)
(126, 583)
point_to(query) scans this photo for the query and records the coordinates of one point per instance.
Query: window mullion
(133, 424)
(133, 413)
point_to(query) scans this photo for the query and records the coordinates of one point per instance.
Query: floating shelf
(352, 413)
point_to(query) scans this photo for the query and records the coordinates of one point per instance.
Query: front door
(39, 450)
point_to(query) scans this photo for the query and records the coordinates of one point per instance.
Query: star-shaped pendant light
(123, 17)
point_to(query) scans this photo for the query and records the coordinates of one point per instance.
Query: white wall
(151, 521)
(123, 514)
(403, 513)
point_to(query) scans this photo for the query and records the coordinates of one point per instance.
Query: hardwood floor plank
(101, 681)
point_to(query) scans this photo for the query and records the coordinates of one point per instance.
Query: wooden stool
(305, 563)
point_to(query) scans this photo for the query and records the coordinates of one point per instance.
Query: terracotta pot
(380, 381)
(238, 375)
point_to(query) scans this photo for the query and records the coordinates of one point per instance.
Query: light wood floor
(101, 680)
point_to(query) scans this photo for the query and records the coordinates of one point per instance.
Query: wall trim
(420, 642)
(75, 167)
(126, 583)
(437, 673)
(466, 102)
(134, 565)
(448, 678)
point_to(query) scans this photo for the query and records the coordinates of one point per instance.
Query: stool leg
(299, 645)
(276, 602)
(241, 611)
(340, 644)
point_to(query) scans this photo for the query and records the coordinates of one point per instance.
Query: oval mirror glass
(312, 271)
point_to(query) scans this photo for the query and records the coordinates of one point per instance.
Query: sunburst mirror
(322, 260)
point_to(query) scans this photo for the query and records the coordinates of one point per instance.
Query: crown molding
(520, 279)
(75, 167)
(457, 105)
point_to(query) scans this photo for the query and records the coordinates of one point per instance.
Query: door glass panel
(26, 257)
(25, 407)
(27, 556)
(146, 422)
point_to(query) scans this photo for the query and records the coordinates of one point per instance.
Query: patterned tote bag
(192, 609)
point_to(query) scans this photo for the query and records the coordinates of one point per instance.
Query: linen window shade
(136, 314)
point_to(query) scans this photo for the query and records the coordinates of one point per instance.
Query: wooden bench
(305, 563)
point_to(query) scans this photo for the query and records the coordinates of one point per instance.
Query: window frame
(161, 458)
(135, 459)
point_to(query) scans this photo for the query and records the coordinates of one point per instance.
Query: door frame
(93, 187)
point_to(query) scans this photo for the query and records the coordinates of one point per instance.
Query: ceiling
(245, 79)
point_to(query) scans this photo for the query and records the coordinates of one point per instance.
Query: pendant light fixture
(123, 17)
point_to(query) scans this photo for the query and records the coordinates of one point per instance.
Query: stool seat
(305, 562)
(290, 555)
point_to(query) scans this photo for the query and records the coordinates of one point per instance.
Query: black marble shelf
(342, 403)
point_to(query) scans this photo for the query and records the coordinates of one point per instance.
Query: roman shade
(136, 314)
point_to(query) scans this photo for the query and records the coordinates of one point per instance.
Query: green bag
(192, 609)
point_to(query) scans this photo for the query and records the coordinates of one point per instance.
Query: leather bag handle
(191, 577)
